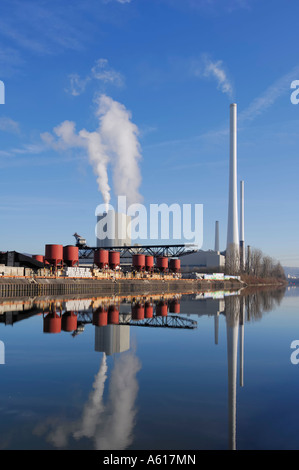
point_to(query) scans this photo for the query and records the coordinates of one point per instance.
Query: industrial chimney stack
(242, 236)
(232, 247)
(217, 249)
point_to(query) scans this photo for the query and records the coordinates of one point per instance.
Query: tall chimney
(217, 236)
(242, 238)
(232, 246)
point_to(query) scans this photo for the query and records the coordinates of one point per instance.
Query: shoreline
(33, 287)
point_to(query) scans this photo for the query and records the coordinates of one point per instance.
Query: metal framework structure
(153, 250)
(169, 321)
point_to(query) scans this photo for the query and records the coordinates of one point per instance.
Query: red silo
(161, 309)
(39, 258)
(162, 263)
(148, 310)
(174, 306)
(52, 323)
(113, 315)
(100, 317)
(71, 255)
(69, 321)
(139, 262)
(138, 312)
(114, 259)
(101, 258)
(175, 265)
(54, 254)
(149, 263)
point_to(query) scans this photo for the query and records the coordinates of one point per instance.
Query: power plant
(114, 255)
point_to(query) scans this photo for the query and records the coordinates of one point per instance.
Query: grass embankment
(250, 280)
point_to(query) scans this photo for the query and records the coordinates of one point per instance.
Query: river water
(210, 371)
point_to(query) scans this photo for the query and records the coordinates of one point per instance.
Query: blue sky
(168, 70)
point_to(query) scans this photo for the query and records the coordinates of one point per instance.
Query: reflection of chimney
(217, 236)
(232, 324)
(216, 320)
(232, 223)
(242, 236)
(242, 319)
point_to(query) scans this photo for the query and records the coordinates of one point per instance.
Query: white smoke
(120, 137)
(114, 143)
(110, 425)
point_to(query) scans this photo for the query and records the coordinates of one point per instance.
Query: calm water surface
(214, 373)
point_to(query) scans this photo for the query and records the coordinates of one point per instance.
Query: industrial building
(113, 229)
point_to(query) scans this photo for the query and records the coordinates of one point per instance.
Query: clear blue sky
(175, 66)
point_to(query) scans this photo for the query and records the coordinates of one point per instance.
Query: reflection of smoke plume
(109, 426)
(117, 432)
(95, 406)
(115, 142)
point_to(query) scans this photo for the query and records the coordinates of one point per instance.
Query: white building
(113, 229)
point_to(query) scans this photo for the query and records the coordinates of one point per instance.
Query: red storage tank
(69, 321)
(162, 263)
(149, 263)
(100, 317)
(54, 254)
(138, 312)
(52, 323)
(174, 306)
(161, 309)
(113, 315)
(175, 265)
(114, 259)
(139, 262)
(148, 310)
(71, 255)
(101, 259)
(39, 258)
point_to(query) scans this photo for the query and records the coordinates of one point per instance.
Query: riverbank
(32, 287)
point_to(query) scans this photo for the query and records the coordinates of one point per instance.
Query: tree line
(256, 264)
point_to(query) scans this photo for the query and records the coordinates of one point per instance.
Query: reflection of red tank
(138, 312)
(113, 315)
(149, 263)
(39, 258)
(52, 323)
(148, 310)
(101, 259)
(161, 309)
(175, 265)
(69, 321)
(162, 263)
(174, 306)
(139, 262)
(100, 317)
(54, 254)
(71, 255)
(114, 259)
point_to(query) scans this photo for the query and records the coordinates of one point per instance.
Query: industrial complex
(115, 257)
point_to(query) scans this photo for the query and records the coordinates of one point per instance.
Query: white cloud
(207, 68)
(270, 95)
(9, 125)
(101, 72)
